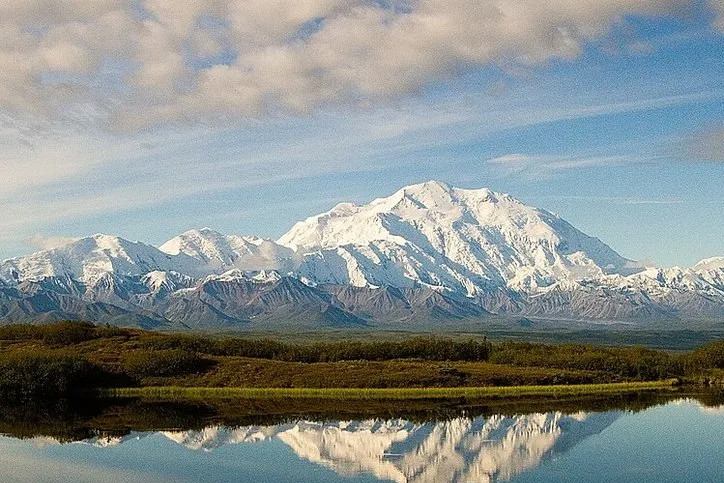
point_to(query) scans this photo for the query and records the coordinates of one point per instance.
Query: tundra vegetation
(67, 357)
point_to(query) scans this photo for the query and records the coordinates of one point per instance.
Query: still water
(679, 439)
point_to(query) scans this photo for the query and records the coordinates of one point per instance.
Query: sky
(146, 118)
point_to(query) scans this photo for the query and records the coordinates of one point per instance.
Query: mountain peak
(220, 253)
(205, 231)
(190, 241)
(713, 263)
(429, 185)
(103, 240)
(437, 194)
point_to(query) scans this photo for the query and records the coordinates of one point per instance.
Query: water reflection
(459, 450)
(463, 448)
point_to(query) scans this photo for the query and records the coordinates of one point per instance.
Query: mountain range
(428, 255)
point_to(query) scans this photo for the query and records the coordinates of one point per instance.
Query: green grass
(175, 392)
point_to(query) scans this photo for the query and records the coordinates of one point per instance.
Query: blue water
(680, 441)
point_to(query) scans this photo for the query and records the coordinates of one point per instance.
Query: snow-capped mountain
(88, 259)
(441, 236)
(430, 253)
(221, 253)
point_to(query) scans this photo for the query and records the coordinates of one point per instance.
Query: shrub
(56, 334)
(628, 362)
(171, 362)
(108, 331)
(19, 332)
(710, 356)
(428, 348)
(68, 333)
(45, 374)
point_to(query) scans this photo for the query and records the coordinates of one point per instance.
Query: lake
(636, 438)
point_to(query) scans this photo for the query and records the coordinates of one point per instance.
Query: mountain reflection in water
(459, 450)
(463, 448)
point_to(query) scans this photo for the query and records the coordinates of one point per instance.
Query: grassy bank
(186, 393)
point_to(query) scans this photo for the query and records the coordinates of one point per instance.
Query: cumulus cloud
(139, 62)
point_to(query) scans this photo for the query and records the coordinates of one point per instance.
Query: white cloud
(545, 166)
(623, 200)
(135, 63)
(511, 159)
(42, 242)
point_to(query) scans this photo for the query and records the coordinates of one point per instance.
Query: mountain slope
(239, 300)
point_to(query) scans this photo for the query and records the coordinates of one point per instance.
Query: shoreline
(492, 392)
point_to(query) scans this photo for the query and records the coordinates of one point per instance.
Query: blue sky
(618, 127)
